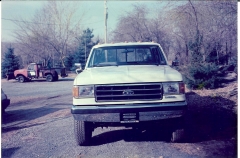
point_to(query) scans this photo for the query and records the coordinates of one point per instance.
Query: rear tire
(21, 79)
(49, 78)
(82, 131)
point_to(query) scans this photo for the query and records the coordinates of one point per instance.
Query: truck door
(31, 71)
(37, 69)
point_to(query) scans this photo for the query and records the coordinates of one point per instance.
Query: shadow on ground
(206, 120)
(9, 152)
(17, 119)
(131, 135)
(42, 80)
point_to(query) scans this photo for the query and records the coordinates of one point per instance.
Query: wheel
(21, 79)
(82, 131)
(49, 78)
(177, 135)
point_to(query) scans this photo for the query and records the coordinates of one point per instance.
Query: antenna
(106, 16)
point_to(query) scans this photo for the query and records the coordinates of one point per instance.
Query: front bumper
(146, 112)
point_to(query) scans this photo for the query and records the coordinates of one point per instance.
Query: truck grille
(126, 92)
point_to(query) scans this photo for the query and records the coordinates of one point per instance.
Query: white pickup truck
(126, 84)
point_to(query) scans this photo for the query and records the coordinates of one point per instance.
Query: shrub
(233, 65)
(204, 75)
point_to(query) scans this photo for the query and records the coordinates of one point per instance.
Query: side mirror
(175, 63)
(79, 68)
(78, 65)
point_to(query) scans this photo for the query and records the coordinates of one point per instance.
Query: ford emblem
(128, 92)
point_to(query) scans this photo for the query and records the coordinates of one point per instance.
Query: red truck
(36, 71)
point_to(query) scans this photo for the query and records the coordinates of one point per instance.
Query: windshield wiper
(105, 64)
(134, 62)
(142, 63)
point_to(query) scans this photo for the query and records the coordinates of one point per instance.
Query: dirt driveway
(38, 123)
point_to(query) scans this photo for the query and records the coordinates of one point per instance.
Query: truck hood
(19, 71)
(127, 74)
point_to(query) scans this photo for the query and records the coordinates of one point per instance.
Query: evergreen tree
(195, 48)
(201, 74)
(69, 62)
(10, 62)
(85, 46)
(217, 56)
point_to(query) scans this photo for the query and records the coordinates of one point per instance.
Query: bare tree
(51, 33)
(179, 25)
(133, 26)
(215, 22)
(221, 28)
(137, 26)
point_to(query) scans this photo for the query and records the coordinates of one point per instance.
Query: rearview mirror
(128, 50)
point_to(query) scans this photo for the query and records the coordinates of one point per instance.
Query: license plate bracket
(131, 117)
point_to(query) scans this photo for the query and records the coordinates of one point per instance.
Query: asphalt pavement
(38, 123)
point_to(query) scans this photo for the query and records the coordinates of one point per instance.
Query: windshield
(131, 55)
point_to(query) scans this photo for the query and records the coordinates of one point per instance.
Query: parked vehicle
(5, 101)
(127, 84)
(36, 71)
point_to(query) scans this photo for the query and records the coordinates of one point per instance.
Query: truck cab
(127, 84)
(33, 70)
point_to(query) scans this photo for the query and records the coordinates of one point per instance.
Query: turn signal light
(181, 87)
(75, 92)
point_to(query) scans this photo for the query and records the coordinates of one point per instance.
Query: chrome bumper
(146, 112)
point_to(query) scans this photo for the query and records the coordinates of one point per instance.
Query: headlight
(174, 88)
(83, 91)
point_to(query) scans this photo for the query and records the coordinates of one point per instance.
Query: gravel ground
(38, 123)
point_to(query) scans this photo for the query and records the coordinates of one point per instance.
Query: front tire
(21, 79)
(82, 131)
(178, 135)
(49, 78)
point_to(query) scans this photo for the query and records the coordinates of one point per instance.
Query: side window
(158, 55)
(31, 67)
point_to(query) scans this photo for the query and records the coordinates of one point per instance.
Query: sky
(93, 14)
